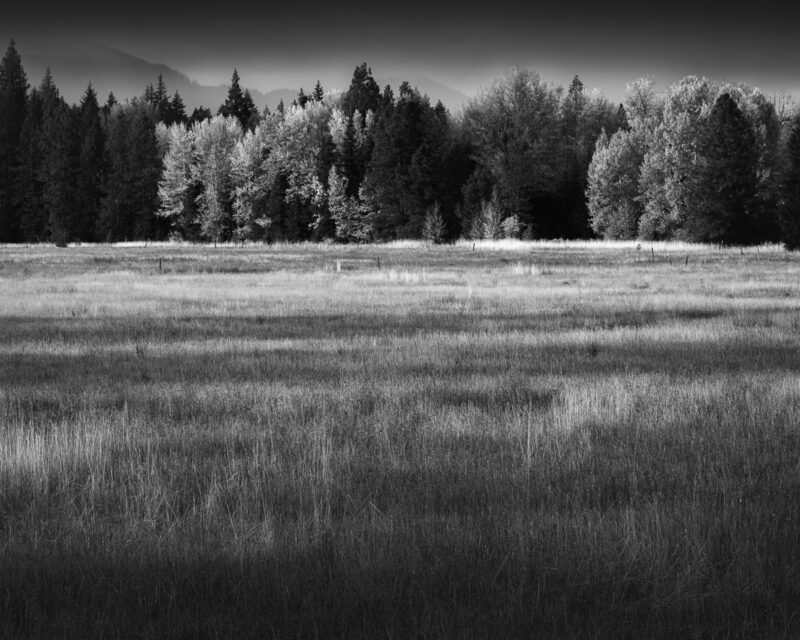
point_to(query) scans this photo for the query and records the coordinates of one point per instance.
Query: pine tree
(387, 100)
(725, 203)
(159, 98)
(199, 114)
(177, 111)
(132, 175)
(13, 100)
(318, 95)
(790, 213)
(145, 163)
(239, 104)
(116, 213)
(364, 93)
(33, 219)
(405, 157)
(302, 98)
(90, 169)
(253, 116)
(59, 162)
(111, 102)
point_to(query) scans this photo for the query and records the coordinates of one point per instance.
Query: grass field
(476, 441)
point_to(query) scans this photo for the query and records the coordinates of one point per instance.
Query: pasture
(549, 440)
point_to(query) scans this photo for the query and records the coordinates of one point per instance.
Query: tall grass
(544, 441)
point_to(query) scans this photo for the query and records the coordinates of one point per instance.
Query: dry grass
(518, 440)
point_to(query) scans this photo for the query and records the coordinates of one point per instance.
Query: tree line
(524, 159)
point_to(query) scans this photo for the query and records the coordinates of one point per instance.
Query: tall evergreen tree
(91, 165)
(177, 111)
(302, 99)
(33, 218)
(790, 213)
(239, 104)
(387, 100)
(13, 100)
(132, 175)
(199, 114)
(725, 206)
(253, 116)
(59, 162)
(363, 95)
(406, 171)
(111, 102)
(159, 98)
(318, 95)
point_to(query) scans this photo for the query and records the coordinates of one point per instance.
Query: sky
(463, 44)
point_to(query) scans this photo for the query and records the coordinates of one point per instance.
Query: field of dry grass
(545, 440)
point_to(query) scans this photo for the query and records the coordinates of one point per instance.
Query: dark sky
(463, 44)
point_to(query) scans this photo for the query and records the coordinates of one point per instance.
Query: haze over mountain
(464, 45)
(74, 65)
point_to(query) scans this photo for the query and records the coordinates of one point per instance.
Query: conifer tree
(302, 98)
(318, 95)
(253, 116)
(13, 100)
(111, 102)
(239, 104)
(199, 114)
(91, 165)
(33, 219)
(177, 111)
(790, 213)
(725, 204)
(386, 101)
(363, 95)
(405, 167)
(132, 175)
(159, 98)
(59, 162)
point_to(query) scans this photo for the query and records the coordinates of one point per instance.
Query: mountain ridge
(112, 70)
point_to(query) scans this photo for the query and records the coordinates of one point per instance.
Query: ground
(551, 440)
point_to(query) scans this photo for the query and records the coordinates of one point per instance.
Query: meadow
(489, 440)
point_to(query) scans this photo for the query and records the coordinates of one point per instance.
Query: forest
(698, 161)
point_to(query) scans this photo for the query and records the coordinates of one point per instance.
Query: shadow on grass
(418, 585)
(309, 367)
(448, 319)
(457, 540)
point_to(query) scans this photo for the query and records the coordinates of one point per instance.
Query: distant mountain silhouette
(110, 70)
(127, 76)
(451, 98)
